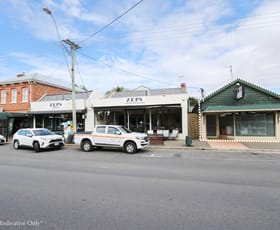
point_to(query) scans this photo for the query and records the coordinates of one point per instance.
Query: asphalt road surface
(153, 189)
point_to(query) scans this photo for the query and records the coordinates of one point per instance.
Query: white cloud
(252, 48)
(169, 42)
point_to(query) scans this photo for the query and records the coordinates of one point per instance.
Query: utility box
(188, 140)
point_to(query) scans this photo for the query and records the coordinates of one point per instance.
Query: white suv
(2, 140)
(37, 138)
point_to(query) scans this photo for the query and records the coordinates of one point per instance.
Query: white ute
(112, 136)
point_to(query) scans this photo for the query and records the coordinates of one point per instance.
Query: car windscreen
(42, 132)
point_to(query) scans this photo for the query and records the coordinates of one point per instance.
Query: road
(154, 189)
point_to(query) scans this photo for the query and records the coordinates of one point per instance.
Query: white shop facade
(52, 111)
(153, 111)
(142, 109)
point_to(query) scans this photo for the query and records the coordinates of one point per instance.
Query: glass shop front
(142, 119)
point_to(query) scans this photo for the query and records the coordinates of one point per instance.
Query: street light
(73, 47)
(47, 11)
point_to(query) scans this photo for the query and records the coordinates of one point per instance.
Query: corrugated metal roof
(150, 92)
(65, 96)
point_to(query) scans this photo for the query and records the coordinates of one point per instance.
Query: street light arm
(73, 46)
(47, 11)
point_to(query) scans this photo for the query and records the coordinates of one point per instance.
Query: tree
(114, 90)
(192, 101)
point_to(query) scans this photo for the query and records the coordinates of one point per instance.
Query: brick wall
(35, 92)
(193, 125)
(38, 90)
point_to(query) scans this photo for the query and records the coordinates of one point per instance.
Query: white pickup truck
(112, 136)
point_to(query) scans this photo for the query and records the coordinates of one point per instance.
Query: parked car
(2, 140)
(37, 139)
(112, 136)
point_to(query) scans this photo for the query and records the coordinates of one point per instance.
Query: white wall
(147, 100)
(180, 99)
(56, 106)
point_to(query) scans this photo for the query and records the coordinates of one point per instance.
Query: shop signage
(55, 105)
(134, 100)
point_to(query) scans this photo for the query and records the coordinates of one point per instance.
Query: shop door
(137, 121)
(211, 125)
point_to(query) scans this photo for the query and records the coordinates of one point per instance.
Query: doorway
(211, 124)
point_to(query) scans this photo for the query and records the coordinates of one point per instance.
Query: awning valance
(241, 108)
(3, 116)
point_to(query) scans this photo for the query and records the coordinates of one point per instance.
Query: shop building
(241, 111)
(53, 111)
(157, 111)
(18, 93)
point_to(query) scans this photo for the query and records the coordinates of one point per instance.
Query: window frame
(24, 95)
(3, 96)
(14, 96)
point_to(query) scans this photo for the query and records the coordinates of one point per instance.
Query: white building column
(128, 119)
(34, 121)
(184, 108)
(150, 119)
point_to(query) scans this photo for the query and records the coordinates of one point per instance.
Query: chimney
(184, 87)
(21, 74)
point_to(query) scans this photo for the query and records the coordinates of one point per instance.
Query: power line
(135, 74)
(127, 72)
(109, 24)
(80, 75)
(252, 22)
(196, 88)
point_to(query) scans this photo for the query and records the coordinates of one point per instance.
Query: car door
(28, 138)
(25, 138)
(100, 135)
(113, 136)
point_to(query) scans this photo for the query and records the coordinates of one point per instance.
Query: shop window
(255, 124)
(39, 122)
(226, 124)
(167, 119)
(138, 120)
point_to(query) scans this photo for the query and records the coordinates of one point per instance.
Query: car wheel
(36, 147)
(130, 147)
(86, 146)
(16, 144)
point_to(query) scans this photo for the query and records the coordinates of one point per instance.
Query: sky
(157, 44)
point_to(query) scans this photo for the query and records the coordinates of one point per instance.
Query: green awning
(3, 116)
(241, 108)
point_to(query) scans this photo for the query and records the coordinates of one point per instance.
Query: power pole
(73, 47)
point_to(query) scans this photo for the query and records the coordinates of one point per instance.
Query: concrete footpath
(220, 145)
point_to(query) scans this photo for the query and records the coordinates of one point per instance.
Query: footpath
(273, 147)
